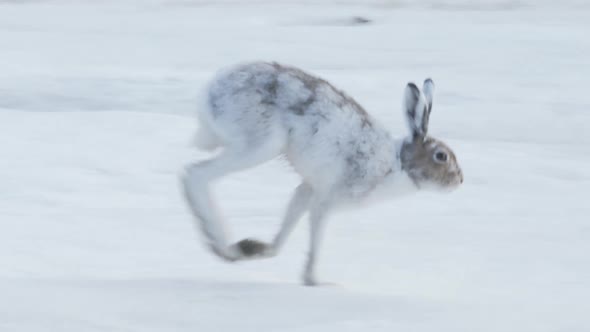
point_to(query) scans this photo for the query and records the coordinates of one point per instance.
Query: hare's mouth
(455, 185)
(445, 187)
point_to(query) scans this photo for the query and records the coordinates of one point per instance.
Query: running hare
(259, 111)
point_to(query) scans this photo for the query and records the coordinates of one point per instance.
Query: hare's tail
(206, 137)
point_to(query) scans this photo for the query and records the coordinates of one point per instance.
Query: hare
(258, 111)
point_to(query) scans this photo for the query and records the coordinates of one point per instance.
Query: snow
(97, 103)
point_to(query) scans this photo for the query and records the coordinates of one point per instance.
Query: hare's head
(428, 162)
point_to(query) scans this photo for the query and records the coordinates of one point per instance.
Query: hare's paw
(313, 282)
(250, 248)
(309, 281)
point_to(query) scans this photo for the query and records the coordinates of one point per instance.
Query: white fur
(259, 111)
(428, 91)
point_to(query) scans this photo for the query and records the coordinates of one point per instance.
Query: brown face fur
(419, 160)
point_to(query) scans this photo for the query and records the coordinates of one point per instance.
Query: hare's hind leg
(197, 178)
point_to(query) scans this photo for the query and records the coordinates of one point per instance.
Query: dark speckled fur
(312, 84)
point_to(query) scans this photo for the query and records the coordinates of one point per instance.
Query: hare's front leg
(298, 205)
(317, 221)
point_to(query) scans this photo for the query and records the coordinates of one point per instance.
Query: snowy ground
(96, 104)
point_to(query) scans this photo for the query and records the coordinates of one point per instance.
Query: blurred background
(97, 116)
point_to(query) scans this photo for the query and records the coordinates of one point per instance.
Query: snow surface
(96, 120)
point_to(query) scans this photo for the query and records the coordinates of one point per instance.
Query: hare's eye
(441, 157)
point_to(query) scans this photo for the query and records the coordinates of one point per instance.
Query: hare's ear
(428, 90)
(417, 111)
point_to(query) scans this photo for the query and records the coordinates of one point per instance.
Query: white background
(97, 103)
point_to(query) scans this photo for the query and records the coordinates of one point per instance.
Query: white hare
(259, 111)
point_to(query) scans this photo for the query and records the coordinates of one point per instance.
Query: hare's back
(262, 87)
